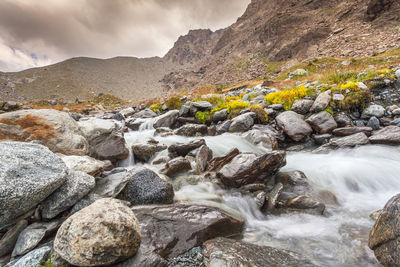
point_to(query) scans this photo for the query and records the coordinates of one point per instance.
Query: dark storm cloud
(53, 30)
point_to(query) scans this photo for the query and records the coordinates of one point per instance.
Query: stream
(363, 180)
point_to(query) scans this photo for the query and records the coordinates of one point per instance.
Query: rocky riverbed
(252, 182)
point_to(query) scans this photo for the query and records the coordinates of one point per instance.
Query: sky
(35, 33)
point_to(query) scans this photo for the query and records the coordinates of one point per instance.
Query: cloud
(54, 30)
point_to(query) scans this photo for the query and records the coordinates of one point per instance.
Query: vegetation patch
(288, 96)
(203, 117)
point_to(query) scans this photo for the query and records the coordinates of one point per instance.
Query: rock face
(384, 238)
(322, 122)
(171, 230)
(146, 187)
(103, 233)
(57, 130)
(166, 120)
(247, 168)
(228, 252)
(293, 125)
(105, 138)
(84, 164)
(77, 185)
(242, 123)
(28, 174)
(389, 135)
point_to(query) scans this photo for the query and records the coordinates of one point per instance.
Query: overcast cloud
(40, 32)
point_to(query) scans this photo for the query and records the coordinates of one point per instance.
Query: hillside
(126, 77)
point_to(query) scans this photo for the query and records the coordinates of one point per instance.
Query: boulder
(29, 173)
(112, 184)
(302, 106)
(84, 164)
(217, 163)
(171, 230)
(321, 102)
(293, 125)
(246, 168)
(201, 105)
(352, 130)
(182, 149)
(192, 130)
(145, 151)
(322, 122)
(166, 120)
(146, 187)
(229, 252)
(223, 126)
(77, 185)
(31, 236)
(220, 115)
(8, 241)
(202, 156)
(57, 130)
(34, 258)
(242, 123)
(134, 123)
(343, 120)
(84, 202)
(347, 141)
(304, 204)
(389, 135)
(373, 111)
(104, 233)
(374, 123)
(106, 139)
(145, 114)
(261, 138)
(177, 165)
(384, 238)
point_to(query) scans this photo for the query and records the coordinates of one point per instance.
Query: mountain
(270, 36)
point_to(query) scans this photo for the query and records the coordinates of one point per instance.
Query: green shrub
(203, 117)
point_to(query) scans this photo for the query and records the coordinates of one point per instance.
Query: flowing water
(363, 180)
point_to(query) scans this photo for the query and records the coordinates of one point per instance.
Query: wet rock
(224, 126)
(217, 163)
(106, 139)
(242, 123)
(229, 252)
(134, 123)
(375, 215)
(146, 151)
(389, 135)
(247, 168)
(171, 230)
(203, 155)
(326, 197)
(176, 166)
(352, 130)
(305, 204)
(127, 112)
(321, 139)
(271, 131)
(321, 102)
(273, 196)
(32, 235)
(35, 173)
(258, 137)
(293, 125)
(166, 120)
(373, 111)
(294, 183)
(146, 187)
(192, 130)
(302, 106)
(104, 233)
(357, 139)
(384, 238)
(145, 114)
(144, 258)
(34, 258)
(343, 120)
(57, 130)
(112, 184)
(192, 258)
(322, 122)
(8, 241)
(220, 115)
(77, 185)
(84, 164)
(182, 149)
(261, 199)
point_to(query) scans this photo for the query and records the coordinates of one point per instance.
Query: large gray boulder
(321, 102)
(384, 238)
(322, 122)
(34, 258)
(182, 149)
(77, 185)
(177, 165)
(57, 130)
(29, 173)
(261, 138)
(166, 120)
(373, 111)
(104, 233)
(146, 187)
(242, 123)
(293, 125)
(84, 164)
(145, 151)
(302, 106)
(106, 139)
(246, 168)
(192, 130)
(112, 184)
(389, 135)
(220, 115)
(229, 252)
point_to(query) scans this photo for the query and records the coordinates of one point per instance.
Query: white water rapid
(363, 180)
